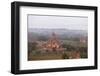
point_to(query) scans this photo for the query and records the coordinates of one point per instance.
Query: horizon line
(58, 28)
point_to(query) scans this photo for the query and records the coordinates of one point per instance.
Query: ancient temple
(53, 44)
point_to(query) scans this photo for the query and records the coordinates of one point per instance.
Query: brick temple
(53, 44)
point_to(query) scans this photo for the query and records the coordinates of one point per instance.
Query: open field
(54, 56)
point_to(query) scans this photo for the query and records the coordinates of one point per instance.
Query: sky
(58, 22)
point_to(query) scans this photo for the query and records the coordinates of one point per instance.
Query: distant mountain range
(38, 34)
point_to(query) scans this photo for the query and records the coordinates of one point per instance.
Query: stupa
(53, 44)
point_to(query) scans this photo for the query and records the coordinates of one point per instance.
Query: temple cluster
(52, 45)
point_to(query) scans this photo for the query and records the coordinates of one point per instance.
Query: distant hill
(44, 34)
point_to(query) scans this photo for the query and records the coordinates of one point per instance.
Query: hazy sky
(58, 22)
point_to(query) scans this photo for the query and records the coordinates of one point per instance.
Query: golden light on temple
(53, 44)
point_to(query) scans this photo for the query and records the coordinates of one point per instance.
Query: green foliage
(42, 38)
(65, 56)
(32, 46)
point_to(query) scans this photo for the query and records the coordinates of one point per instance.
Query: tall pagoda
(53, 44)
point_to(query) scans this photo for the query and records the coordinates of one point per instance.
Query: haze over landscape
(57, 37)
